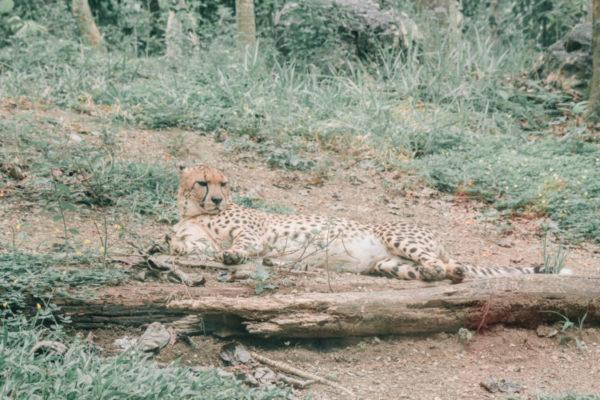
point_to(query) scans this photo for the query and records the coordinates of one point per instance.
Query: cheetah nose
(216, 200)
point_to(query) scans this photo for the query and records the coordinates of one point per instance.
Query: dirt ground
(353, 187)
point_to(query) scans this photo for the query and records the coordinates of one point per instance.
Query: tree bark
(229, 310)
(594, 100)
(244, 10)
(87, 26)
(173, 35)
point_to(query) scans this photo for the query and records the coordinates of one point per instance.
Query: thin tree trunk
(594, 100)
(85, 21)
(180, 33)
(156, 33)
(245, 21)
(173, 35)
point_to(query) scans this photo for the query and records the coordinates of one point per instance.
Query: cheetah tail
(472, 271)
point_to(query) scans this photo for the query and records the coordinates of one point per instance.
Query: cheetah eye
(202, 183)
(223, 184)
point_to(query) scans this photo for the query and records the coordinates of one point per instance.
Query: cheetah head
(202, 190)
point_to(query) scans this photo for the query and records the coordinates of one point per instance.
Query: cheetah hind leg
(402, 268)
(434, 269)
(396, 267)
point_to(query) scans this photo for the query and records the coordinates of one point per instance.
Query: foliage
(554, 262)
(546, 176)
(88, 173)
(262, 205)
(81, 373)
(25, 276)
(544, 21)
(317, 37)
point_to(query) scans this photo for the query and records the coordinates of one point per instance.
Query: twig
(285, 367)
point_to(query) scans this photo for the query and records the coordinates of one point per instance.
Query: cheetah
(212, 226)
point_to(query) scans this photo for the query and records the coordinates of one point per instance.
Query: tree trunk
(244, 10)
(173, 35)
(594, 100)
(85, 21)
(180, 34)
(156, 33)
(230, 310)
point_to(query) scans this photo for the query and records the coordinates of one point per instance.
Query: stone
(235, 353)
(350, 28)
(546, 331)
(568, 62)
(125, 342)
(154, 339)
(48, 347)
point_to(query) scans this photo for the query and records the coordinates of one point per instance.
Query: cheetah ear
(180, 166)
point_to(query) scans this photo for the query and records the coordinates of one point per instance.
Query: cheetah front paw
(175, 246)
(233, 258)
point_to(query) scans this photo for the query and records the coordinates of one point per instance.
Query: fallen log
(515, 300)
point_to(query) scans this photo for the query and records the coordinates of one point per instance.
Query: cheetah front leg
(245, 245)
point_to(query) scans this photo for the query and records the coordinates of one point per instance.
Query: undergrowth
(73, 170)
(80, 373)
(27, 278)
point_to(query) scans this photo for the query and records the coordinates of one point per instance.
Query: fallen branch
(285, 367)
(519, 300)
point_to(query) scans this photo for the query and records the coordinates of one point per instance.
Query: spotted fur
(213, 227)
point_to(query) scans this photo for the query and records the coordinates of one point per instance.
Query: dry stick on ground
(285, 367)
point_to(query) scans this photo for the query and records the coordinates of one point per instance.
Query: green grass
(29, 278)
(64, 173)
(261, 205)
(548, 176)
(82, 374)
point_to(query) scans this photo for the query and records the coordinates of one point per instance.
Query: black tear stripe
(205, 194)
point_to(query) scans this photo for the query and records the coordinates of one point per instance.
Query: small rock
(356, 181)
(235, 353)
(545, 331)
(48, 347)
(125, 342)
(220, 371)
(502, 385)
(15, 172)
(74, 138)
(154, 339)
(509, 386)
(264, 376)
(464, 335)
(505, 243)
(490, 385)
(337, 207)
(303, 192)
(247, 378)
